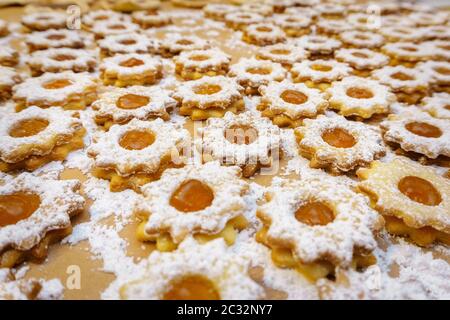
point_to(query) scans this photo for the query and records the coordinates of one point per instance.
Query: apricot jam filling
(57, 84)
(314, 213)
(338, 138)
(63, 57)
(442, 70)
(136, 140)
(192, 195)
(56, 37)
(281, 52)
(192, 287)
(127, 42)
(260, 71)
(28, 128)
(199, 57)
(402, 76)
(17, 206)
(359, 93)
(132, 101)
(117, 27)
(320, 67)
(360, 55)
(207, 89)
(132, 62)
(184, 42)
(264, 29)
(294, 97)
(419, 190)
(241, 134)
(423, 129)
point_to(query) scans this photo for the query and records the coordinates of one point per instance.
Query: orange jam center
(192, 195)
(419, 190)
(17, 206)
(127, 42)
(132, 101)
(199, 57)
(402, 76)
(338, 138)
(63, 57)
(132, 62)
(263, 29)
(423, 129)
(57, 84)
(294, 97)
(28, 127)
(207, 89)
(282, 52)
(447, 107)
(320, 67)
(117, 27)
(99, 18)
(361, 37)
(261, 71)
(359, 93)
(360, 55)
(241, 134)
(184, 42)
(56, 37)
(442, 70)
(136, 140)
(192, 287)
(410, 49)
(314, 214)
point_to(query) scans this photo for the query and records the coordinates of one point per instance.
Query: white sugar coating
(437, 71)
(304, 11)
(400, 33)
(156, 18)
(318, 44)
(362, 39)
(382, 179)
(113, 65)
(438, 105)
(362, 58)
(439, 48)
(227, 204)
(32, 89)
(369, 143)
(255, 80)
(8, 76)
(396, 20)
(104, 28)
(175, 43)
(395, 131)
(266, 142)
(332, 8)
(122, 43)
(61, 125)
(284, 53)
(108, 153)
(219, 9)
(7, 53)
(382, 97)
(416, 78)
(158, 104)
(306, 70)
(265, 31)
(214, 58)
(333, 26)
(428, 18)
(213, 260)
(291, 21)
(408, 51)
(437, 32)
(56, 38)
(265, 9)
(91, 17)
(362, 21)
(48, 60)
(246, 18)
(271, 96)
(58, 201)
(44, 19)
(352, 227)
(229, 91)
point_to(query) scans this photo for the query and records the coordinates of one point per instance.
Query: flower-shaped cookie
(9, 57)
(41, 21)
(34, 213)
(192, 65)
(151, 18)
(363, 61)
(92, 17)
(126, 43)
(240, 20)
(407, 54)
(339, 144)
(102, 29)
(218, 11)
(319, 46)
(60, 38)
(402, 34)
(438, 73)
(283, 53)
(361, 39)
(8, 79)
(332, 27)
(293, 25)
(174, 44)
(438, 105)
(263, 34)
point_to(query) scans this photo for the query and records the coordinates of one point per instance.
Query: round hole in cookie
(56, 36)
(117, 27)
(101, 18)
(199, 57)
(320, 67)
(57, 84)
(259, 70)
(402, 76)
(359, 93)
(127, 42)
(63, 57)
(241, 134)
(184, 42)
(263, 29)
(17, 206)
(132, 62)
(293, 97)
(410, 49)
(338, 138)
(423, 129)
(360, 55)
(137, 139)
(281, 52)
(419, 190)
(314, 213)
(192, 195)
(207, 89)
(28, 127)
(442, 70)
(192, 287)
(132, 101)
